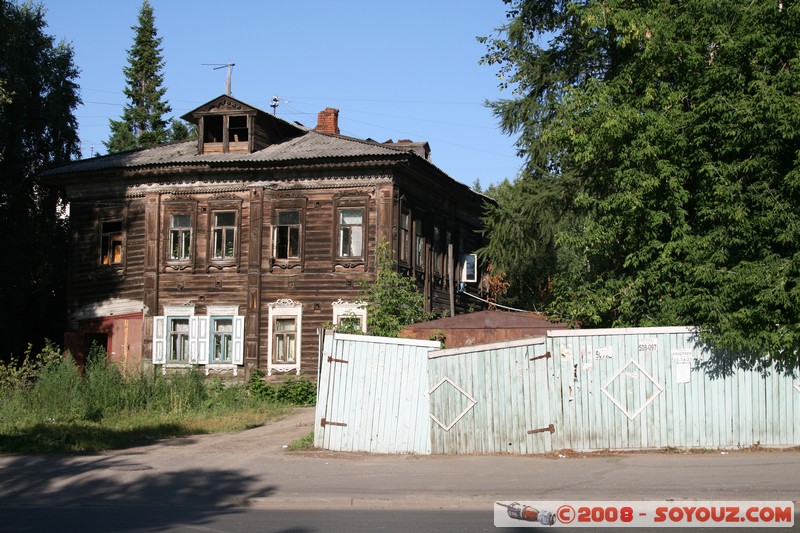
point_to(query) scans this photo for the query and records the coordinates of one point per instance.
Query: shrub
(292, 390)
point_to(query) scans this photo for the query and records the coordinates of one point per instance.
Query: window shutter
(202, 340)
(159, 339)
(193, 340)
(238, 340)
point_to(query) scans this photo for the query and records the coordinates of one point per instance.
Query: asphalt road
(247, 481)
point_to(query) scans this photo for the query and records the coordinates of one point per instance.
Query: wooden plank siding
(373, 395)
(624, 394)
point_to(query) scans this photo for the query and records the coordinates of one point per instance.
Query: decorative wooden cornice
(226, 104)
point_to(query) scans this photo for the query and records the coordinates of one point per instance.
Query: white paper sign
(604, 352)
(682, 361)
(648, 345)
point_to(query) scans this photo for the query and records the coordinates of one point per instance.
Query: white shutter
(238, 340)
(193, 340)
(159, 339)
(202, 339)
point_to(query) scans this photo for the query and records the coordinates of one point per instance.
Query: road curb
(355, 502)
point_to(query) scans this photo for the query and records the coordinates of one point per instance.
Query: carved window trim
(280, 206)
(340, 204)
(220, 206)
(172, 208)
(342, 309)
(285, 309)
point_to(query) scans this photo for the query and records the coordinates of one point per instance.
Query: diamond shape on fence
(641, 372)
(471, 404)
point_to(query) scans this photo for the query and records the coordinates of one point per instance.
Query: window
(350, 317)
(284, 336)
(469, 272)
(419, 245)
(212, 129)
(285, 332)
(287, 235)
(180, 237)
(405, 243)
(224, 235)
(237, 129)
(226, 133)
(351, 232)
(222, 340)
(437, 249)
(111, 239)
(178, 340)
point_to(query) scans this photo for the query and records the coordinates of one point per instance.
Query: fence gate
(494, 400)
(372, 394)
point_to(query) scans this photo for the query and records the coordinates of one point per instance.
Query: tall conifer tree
(143, 122)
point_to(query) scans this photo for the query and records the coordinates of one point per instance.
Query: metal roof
(308, 146)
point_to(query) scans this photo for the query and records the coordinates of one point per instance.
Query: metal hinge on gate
(332, 360)
(551, 428)
(324, 423)
(547, 355)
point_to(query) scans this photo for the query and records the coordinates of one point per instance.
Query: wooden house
(232, 250)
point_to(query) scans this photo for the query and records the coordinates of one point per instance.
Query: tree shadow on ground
(116, 494)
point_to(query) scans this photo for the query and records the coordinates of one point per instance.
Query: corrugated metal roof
(311, 145)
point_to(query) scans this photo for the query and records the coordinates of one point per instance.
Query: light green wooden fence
(638, 388)
(371, 394)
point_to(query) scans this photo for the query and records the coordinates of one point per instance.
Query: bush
(292, 390)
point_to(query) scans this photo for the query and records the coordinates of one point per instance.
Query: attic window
(226, 133)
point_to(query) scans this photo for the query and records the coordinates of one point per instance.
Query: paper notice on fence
(682, 363)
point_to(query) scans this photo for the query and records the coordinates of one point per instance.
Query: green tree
(37, 129)
(143, 124)
(669, 131)
(393, 300)
(180, 130)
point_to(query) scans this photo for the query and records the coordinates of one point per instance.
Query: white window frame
(343, 309)
(466, 270)
(161, 335)
(199, 337)
(350, 233)
(285, 308)
(237, 355)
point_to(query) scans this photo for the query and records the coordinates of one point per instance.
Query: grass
(303, 443)
(51, 407)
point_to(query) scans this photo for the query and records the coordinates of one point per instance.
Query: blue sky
(399, 70)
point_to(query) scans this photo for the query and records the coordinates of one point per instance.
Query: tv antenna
(218, 66)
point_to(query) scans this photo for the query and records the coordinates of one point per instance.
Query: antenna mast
(218, 66)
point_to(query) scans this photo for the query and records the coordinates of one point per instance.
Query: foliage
(47, 404)
(291, 390)
(22, 373)
(303, 443)
(38, 97)
(392, 299)
(143, 124)
(665, 136)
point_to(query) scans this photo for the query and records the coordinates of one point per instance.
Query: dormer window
(226, 133)
(228, 125)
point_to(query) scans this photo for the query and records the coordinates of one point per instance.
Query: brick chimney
(328, 121)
